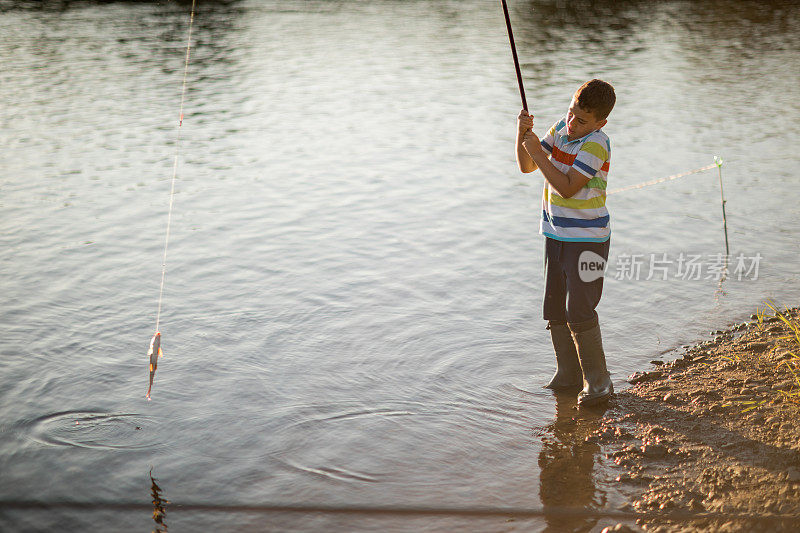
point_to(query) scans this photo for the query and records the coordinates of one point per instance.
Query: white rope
(175, 167)
(661, 180)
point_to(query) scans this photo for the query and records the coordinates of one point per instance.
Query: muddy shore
(711, 440)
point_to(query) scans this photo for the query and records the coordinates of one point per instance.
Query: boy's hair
(597, 97)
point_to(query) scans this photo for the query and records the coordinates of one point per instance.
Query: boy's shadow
(566, 464)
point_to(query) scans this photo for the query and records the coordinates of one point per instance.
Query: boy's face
(581, 122)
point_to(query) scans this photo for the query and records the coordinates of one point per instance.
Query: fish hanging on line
(153, 353)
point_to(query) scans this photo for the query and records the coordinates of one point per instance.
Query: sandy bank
(711, 441)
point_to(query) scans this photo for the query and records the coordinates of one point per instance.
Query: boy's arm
(566, 185)
(524, 125)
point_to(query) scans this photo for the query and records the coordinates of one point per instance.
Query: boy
(574, 158)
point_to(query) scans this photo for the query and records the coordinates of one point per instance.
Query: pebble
(656, 431)
(654, 451)
(738, 471)
(671, 398)
(637, 377)
(697, 505)
(793, 474)
(758, 346)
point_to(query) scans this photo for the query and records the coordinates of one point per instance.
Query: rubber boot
(597, 385)
(568, 369)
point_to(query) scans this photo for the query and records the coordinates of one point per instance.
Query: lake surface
(352, 305)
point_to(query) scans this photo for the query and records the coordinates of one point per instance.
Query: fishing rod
(514, 53)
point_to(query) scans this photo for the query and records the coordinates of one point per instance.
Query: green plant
(760, 316)
(793, 362)
(754, 404)
(792, 326)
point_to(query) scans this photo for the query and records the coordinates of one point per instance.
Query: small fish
(154, 353)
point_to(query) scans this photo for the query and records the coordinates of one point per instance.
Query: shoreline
(712, 439)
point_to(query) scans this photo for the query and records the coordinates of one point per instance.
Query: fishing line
(718, 165)
(175, 166)
(662, 180)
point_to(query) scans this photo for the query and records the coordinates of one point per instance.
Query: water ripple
(93, 429)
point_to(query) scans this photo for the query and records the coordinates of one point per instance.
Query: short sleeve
(590, 158)
(549, 139)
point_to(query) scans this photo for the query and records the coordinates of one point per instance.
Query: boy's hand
(532, 144)
(524, 122)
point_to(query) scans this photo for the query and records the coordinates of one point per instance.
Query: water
(352, 302)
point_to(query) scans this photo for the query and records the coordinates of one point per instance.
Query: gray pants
(567, 297)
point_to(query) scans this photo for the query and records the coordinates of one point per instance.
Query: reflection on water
(567, 463)
(159, 505)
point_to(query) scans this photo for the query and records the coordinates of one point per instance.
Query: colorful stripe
(596, 183)
(595, 149)
(583, 217)
(575, 239)
(563, 157)
(569, 222)
(595, 202)
(586, 168)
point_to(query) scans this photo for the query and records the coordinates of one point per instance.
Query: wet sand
(711, 440)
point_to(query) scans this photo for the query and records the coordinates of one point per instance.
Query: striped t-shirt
(584, 217)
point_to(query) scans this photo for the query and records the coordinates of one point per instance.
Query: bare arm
(524, 125)
(565, 185)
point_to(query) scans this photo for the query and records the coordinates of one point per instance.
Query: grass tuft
(768, 313)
